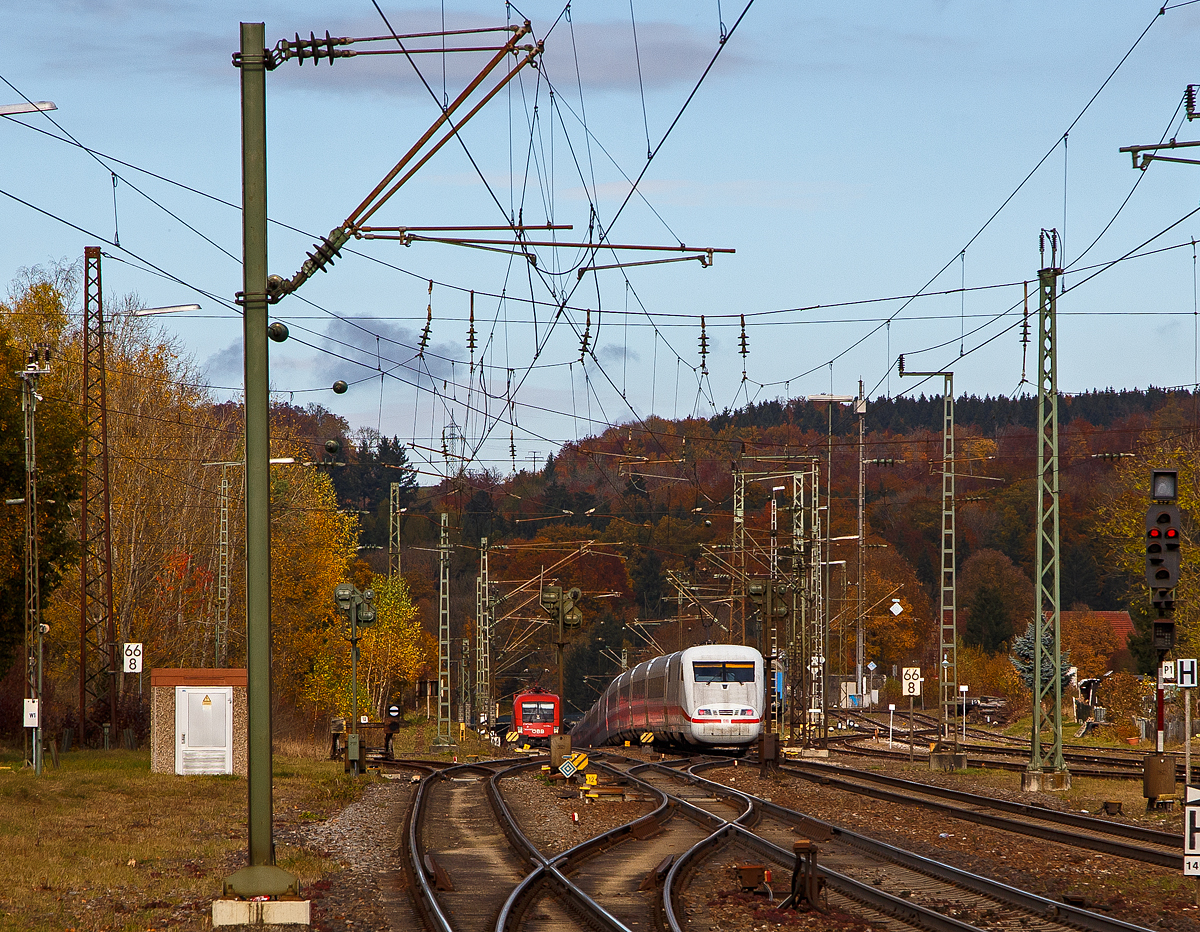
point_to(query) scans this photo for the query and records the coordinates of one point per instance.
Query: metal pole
(1158, 742)
(261, 877)
(483, 670)
(33, 611)
(356, 764)
(394, 527)
(1047, 569)
(910, 729)
(223, 569)
(1187, 736)
(859, 633)
(443, 735)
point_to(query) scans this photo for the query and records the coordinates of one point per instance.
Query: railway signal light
(1162, 554)
(1164, 485)
(550, 599)
(1163, 538)
(572, 617)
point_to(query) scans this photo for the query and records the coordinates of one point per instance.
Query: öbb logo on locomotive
(711, 695)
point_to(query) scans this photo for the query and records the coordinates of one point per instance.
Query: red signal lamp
(1154, 533)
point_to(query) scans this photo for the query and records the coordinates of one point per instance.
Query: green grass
(100, 843)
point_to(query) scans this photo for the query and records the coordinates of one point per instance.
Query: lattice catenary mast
(97, 635)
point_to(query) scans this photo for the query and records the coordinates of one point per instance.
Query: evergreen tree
(1022, 657)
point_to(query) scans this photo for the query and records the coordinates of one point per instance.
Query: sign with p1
(131, 655)
(1185, 671)
(911, 681)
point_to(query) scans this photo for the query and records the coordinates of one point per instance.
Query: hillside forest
(636, 517)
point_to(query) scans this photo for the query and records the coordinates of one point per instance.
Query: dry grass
(103, 844)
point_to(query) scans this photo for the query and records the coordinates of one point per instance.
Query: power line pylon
(808, 666)
(948, 613)
(737, 579)
(483, 642)
(97, 635)
(394, 531)
(221, 635)
(443, 732)
(1046, 769)
(37, 364)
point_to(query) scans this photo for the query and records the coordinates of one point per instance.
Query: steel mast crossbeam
(948, 613)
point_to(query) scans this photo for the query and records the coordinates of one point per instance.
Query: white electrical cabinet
(203, 729)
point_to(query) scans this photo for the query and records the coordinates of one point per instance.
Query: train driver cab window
(717, 672)
(537, 712)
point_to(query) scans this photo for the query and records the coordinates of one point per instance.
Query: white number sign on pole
(132, 654)
(911, 681)
(1185, 670)
(1191, 831)
(31, 713)
(1168, 671)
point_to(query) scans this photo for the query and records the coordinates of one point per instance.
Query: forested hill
(902, 414)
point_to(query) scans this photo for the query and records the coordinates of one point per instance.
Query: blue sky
(847, 153)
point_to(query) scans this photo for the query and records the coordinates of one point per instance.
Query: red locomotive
(536, 715)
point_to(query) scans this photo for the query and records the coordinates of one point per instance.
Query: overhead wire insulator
(743, 346)
(586, 338)
(471, 330)
(327, 250)
(428, 324)
(1025, 334)
(703, 347)
(900, 364)
(1189, 101)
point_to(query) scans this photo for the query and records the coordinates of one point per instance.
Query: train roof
(702, 652)
(535, 691)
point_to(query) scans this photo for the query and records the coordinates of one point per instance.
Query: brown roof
(207, 676)
(1120, 622)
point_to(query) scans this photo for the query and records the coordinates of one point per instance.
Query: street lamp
(33, 106)
(169, 309)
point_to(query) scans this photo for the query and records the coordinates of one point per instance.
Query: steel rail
(550, 869)
(1076, 820)
(866, 894)
(993, 889)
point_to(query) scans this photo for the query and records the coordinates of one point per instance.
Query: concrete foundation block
(1037, 781)
(947, 760)
(261, 913)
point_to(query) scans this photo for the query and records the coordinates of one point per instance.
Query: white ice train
(710, 695)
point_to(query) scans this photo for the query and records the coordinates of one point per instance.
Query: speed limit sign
(911, 681)
(132, 652)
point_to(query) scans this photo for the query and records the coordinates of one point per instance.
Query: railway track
(996, 751)
(473, 867)
(1116, 838)
(880, 878)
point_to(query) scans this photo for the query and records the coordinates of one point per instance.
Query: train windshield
(716, 672)
(537, 712)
